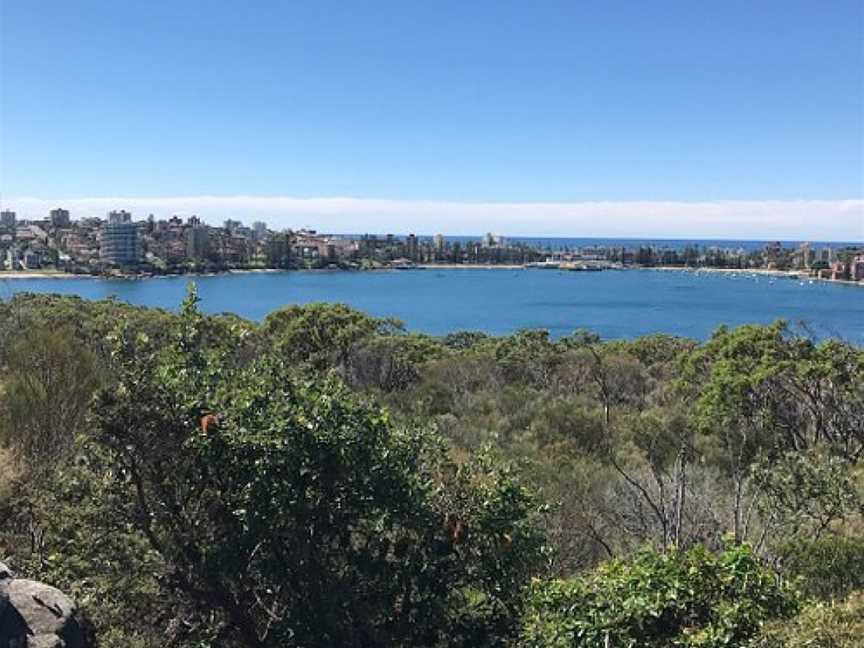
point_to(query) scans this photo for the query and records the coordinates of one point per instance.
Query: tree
(295, 511)
(759, 392)
(804, 493)
(321, 334)
(48, 385)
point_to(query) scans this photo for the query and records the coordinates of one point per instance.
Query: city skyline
(726, 220)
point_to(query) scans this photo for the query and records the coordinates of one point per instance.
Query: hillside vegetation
(327, 478)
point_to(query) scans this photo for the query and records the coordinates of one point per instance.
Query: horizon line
(752, 220)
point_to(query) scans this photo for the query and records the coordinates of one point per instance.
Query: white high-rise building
(118, 242)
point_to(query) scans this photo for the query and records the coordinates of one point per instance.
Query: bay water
(614, 304)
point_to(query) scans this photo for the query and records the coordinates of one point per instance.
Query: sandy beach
(5, 274)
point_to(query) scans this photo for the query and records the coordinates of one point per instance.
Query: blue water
(570, 243)
(615, 304)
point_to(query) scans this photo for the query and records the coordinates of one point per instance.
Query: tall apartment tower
(198, 242)
(60, 217)
(7, 218)
(118, 243)
(259, 230)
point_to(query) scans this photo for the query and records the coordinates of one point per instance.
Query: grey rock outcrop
(36, 615)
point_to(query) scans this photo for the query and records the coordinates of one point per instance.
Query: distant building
(197, 242)
(7, 218)
(773, 251)
(12, 258)
(259, 230)
(856, 268)
(31, 260)
(231, 226)
(60, 217)
(491, 240)
(805, 256)
(119, 216)
(839, 270)
(118, 243)
(280, 250)
(411, 247)
(438, 241)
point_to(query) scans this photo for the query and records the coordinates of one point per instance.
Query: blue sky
(461, 102)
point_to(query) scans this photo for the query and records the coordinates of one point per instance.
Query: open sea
(614, 304)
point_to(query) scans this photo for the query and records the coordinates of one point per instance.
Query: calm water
(613, 303)
(562, 243)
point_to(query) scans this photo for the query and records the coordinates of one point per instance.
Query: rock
(5, 573)
(4, 604)
(6, 577)
(36, 615)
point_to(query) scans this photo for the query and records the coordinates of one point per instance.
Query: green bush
(818, 626)
(829, 568)
(297, 514)
(658, 600)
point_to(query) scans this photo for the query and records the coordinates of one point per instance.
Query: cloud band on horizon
(817, 220)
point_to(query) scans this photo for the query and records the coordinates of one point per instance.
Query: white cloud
(818, 220)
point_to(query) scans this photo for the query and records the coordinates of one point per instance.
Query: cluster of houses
(117, 243)
(827, 263)
(98, 245)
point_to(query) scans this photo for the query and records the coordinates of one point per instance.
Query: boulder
(6, 577)
(36, 615)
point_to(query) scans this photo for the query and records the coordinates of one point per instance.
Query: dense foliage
(680, 598)
(327, 478)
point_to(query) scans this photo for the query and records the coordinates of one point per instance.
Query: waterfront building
(197, 241)
(856, 268)
(839, 270)
(259, 230)
(279, 250)
(411, 247)
(118, 242)
(60, 217)
(804, 257)
(31, 260)
(439, 246)
(7, 218)
(11, 260)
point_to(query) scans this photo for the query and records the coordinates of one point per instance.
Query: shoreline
(464, 266)
(37, 274)
(5, 274)
(782, 274)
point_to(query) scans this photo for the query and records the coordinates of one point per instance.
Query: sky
(667, 118)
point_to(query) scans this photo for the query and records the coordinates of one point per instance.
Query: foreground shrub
(819, 626)
(829, 568)
(657, 600)
(296, 514)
